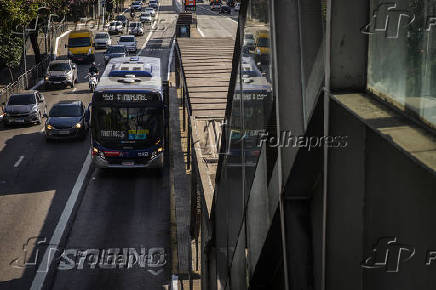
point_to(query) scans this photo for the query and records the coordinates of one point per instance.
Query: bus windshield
(119, 126)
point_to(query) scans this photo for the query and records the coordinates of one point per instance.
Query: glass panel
(401, 58)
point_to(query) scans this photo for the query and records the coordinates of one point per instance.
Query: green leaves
(11, 49)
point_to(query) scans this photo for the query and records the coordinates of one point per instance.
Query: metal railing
(196, 188)
(31, 77)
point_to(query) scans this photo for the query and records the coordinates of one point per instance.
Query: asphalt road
(213, 24)
(118, 236)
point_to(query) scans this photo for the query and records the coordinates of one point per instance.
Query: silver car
(115, 27)
(61, 72)
(146, 17)
(151, 11)
(129, 42)
(102, 40)
(135, 28)
(25, 108)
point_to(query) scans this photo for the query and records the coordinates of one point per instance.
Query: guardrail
(31, 77)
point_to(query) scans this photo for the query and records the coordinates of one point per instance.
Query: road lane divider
(19, 161)
(44, 266)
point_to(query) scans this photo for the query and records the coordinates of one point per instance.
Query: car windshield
(59, 67)
(136, 3)
(249, 36)
(128, 125)
(134, 24)
(263, 42)
(101, 35)
(149, 9)
(115, 49)
(28, 99)
(127, 39)
(145, 14)
(120, 17)
(66, 111)
(79, 42)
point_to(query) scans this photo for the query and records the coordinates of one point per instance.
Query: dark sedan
(67, 119)
(225, 10)
(114, 51)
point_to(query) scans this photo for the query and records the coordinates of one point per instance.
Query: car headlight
(69, 75)
(78, 126)
(46, 78)
(34, 109)
(90, 51)
(49, 127)
(106, 57)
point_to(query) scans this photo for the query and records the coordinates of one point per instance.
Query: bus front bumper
(156, 162)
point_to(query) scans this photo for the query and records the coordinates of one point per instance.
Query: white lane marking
(57, 42)
(200, 31)
(41, 274)
(74, 89)
(170, 59)
(19, 161)
(150, 33)
(37, 85)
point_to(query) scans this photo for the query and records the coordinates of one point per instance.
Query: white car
(102, 40)
(129, 42)
(136, 28)
(115, 27)
(151, 11)
(145, 17)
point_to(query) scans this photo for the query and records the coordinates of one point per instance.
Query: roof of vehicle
(123, 66)
(60, 61)
(80, 33)
(101, 32)
(28, 92)
(69, 102)
(127, 35)
(262, 34)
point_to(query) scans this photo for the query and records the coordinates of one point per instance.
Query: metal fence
(31, 77)
(188, 126)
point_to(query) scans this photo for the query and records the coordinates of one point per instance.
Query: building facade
(326, 177)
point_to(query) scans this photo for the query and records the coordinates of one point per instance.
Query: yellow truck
(262, 46)
(81, 46)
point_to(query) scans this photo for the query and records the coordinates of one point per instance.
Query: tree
(11, 50)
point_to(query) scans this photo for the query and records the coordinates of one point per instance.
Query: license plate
(19, 120)
(128, 163)
(64, 132)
